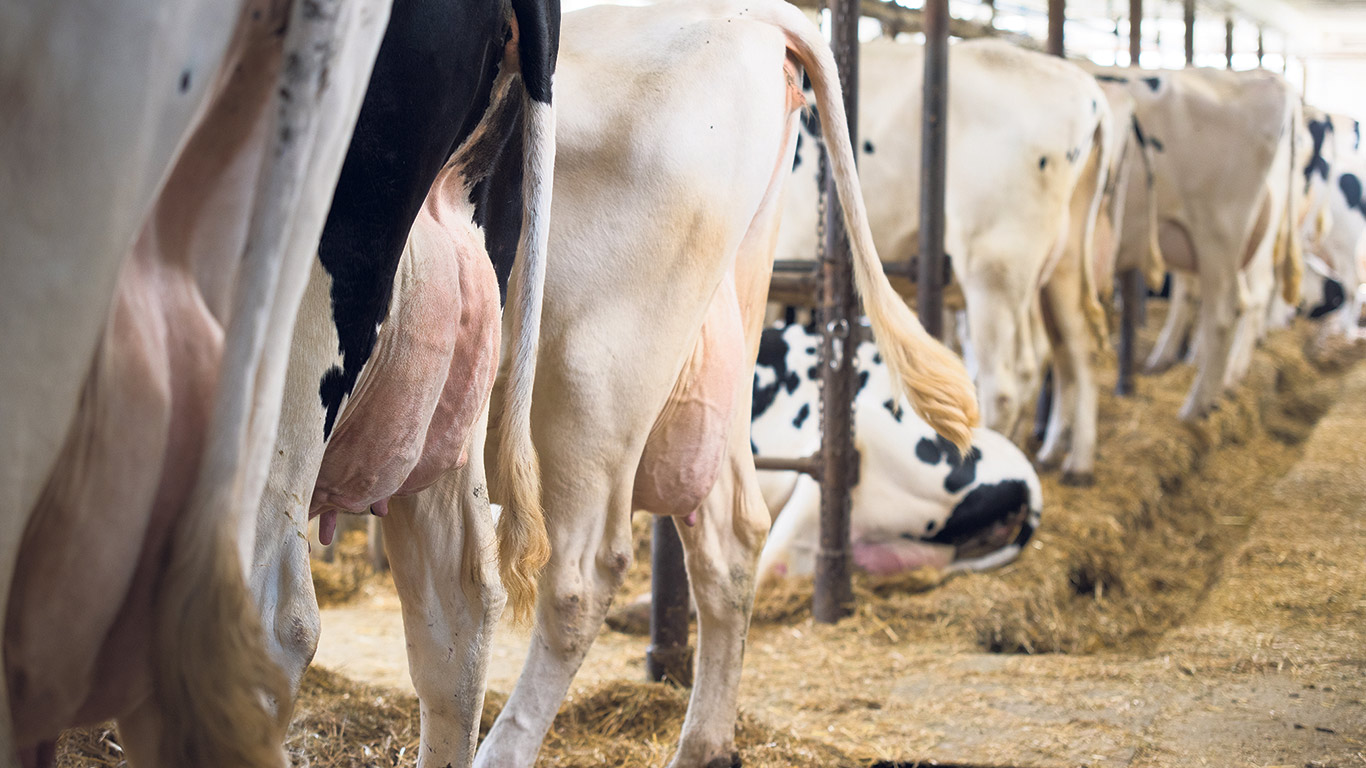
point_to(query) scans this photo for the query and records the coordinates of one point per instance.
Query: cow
(917, 503)
(398, 342)
(167, 167)
(1021, 203)
(1223, 144)
(1335, 221)
(677, 126)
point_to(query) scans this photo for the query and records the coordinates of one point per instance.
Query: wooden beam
(1057, 21)
(668, 659)
(833, 595)
(1189, 9)
(896, 19)
(933, 168)
(1228, 41)
(1135, 32)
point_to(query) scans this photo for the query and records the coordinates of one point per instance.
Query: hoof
(1046, 463)
(1079, 479)
(725, 761)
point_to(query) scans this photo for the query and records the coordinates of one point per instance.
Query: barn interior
(1202, 603)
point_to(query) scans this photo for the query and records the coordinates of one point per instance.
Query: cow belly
(410, 417)
(683, 455)
(78, 629)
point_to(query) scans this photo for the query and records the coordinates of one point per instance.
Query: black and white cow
(441, 207)
(1335, 223)
(917, 502)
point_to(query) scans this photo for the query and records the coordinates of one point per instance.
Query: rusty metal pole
(833, 595)
(1131, 289)
(933, 167)
(1057, 18)
(668, 658)
(1135, 32)
(1228, 42)
(1190, 32)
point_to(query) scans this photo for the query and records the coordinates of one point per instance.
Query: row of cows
(1221, 177)
(279, 261)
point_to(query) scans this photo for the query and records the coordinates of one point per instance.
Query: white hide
(1019, 217)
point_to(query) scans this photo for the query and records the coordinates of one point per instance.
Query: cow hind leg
(589, 523)
(1180, 313)
(441, 549)
(721, 553)
(1218, 316)
(1256, 285)
(1076, 398)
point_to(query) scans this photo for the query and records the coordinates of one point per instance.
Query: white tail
(933, 378)
(523, 546)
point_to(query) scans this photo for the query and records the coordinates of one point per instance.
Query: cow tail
(1094, 178)
(934, 379)
(1291, 265)
(1154, 265)
(523, 546)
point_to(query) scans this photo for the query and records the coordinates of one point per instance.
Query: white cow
(677, 124)
(1029, 136)
(166, 170)
(1223, 144)
(917, 502)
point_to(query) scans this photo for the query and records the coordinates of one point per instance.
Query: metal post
(1190, 32)
(833, 595)
(668, 658)
(1057, 18)
(1131, 295)
(1261, 48)
(1228, 41)
(1135, 31)
(933, 157)
(1131, 280)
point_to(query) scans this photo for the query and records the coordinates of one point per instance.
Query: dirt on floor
(1203, 604)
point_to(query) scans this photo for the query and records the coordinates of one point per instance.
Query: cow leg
(280, 577)
(1180, 312)
(1349, 316)
(995, 314)
(589, 523)
(1218, 316)
(791, 546)
(1255, 286)
(282, 583)
(721, 552)
(1076, 397)
(441, 547)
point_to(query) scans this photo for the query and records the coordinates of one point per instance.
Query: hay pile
(1125, 560)
(343, 724)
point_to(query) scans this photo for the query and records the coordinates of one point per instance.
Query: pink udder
(412, 413)
(687, 444)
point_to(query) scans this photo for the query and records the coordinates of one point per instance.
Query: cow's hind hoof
(1079, 479)
(725, 761)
